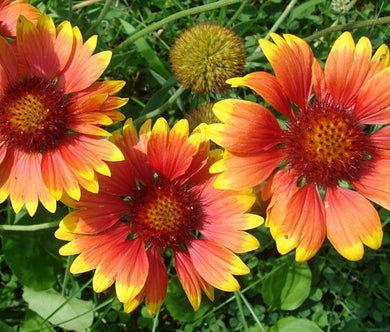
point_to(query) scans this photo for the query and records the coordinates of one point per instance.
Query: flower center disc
(165, 215)
(28, 114)
(326, 144)
(33, 116)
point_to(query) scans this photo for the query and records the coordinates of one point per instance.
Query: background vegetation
(37, 292)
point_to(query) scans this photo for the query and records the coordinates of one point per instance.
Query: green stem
(155, 323)
(238, 12)
(251, 311)
(341, 27)
(9, 212)
(160, 109)
(70, 11)
(29, 228)
(100, 17)
(173, 17)
(349, 26)
(276, 25)
(103, 314)
(241, 311)
(85, 4)
(66, 276)
(66, 302)
(282, 17)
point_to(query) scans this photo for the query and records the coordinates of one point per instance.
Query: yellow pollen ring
(29, 113)
(165, 214)
(328, 141)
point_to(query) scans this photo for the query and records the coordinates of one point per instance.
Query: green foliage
(68, 313)
(179, 306)
(292, 324)
(33, 256)
(288, 288)
(37, 291)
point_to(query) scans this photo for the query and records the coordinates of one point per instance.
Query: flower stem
(251, 311)
(282, 17)
(241, 311)
(162, 108)
(9, 212)
(238, 12)
(155, 323)
(66, 276)
(29, 228)
(100, 17)
(349, 26)
(173, 17)
(85, 4)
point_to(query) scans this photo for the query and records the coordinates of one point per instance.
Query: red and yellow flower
(9, 13)
(160, 200)
(52, 113)
(321, 152)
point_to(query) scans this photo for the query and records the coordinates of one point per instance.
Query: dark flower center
(326, 144)
(33, 115)
(165, 214)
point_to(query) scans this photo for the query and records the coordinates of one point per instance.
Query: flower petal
(282, 187)
(83, 68)
(373, 101)
(97, 244)
(170, 153)
(267, 86)
(133, 271)
(109, 266)
(189, 278)
(351, 220)
(374, 184)
(222, 205)
(59, 176)
(245, 171)
(85, 154)
(236, 241)
(10, 13)
(135, 149)
(216, 264)
(96, 219)
(291, 59)
(248, 127)
(380, 60)
(8, 65)
(319, 84)
(304, 224)
(25, 184)
(39, 49)
(346, 68)
(156, 283)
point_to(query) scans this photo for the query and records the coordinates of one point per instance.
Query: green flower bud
(205, 56)
(204, 114)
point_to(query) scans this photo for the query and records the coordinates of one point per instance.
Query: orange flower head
(321, 151)
(52, 112)
(9, 13)
(160, 198)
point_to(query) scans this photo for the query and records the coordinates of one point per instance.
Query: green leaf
(292, 324)
(179, 306)
(33, 255)
(146, 51)
(304, 10)
(34, 322)
(6, 328)
(71, 314)
(288, 287)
